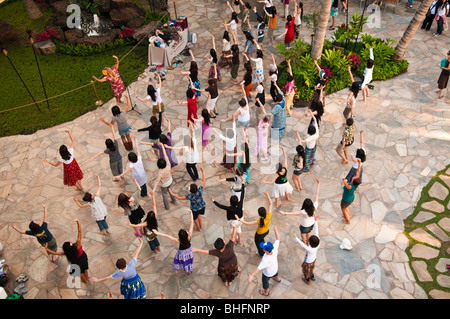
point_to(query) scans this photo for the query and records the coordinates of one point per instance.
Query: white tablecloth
(164, 56)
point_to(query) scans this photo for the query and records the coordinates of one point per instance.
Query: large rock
(144, 31)
(46, 47)
(126, 13)
(73, 35)
(59, 13)
(7, 35)
(97, 39)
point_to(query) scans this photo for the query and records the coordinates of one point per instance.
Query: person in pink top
(263, 135)
(290, 91)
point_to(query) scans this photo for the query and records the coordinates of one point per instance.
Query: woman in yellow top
(262, 224)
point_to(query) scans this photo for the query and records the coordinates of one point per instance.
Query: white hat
(346, 245)
(259, 88)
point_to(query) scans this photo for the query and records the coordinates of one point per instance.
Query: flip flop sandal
(306, 280)
(21, 278)
(261, 293)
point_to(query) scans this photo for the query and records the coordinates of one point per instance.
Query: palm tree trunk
(321, 30)
(411, 30)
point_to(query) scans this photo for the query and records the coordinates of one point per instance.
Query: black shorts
(345, 204)
(198, 212)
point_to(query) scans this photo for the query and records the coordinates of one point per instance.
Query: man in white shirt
(136, 166)
(230, 145)
(268, 264)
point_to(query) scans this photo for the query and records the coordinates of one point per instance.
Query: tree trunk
(321, 30)
(411, 30)
(32, 9)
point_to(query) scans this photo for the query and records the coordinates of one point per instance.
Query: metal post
(5, 53)
(39, 69)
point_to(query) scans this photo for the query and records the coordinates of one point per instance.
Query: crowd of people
(249, 47)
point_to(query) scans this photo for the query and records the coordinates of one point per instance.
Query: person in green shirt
(348, 195)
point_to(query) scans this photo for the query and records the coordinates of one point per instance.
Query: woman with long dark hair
(132, 209)
(214, 70)
(262, 224)
(193, 75)
(206, 127)
(308, 216)
(154, 95)
(72, 172)
(298, 164)
(350, 103)
(281, 185)
(115, 158)
(184, 258)
(75, 254)
(225, 58)
(148, 225)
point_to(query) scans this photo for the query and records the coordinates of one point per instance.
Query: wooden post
(175, 9)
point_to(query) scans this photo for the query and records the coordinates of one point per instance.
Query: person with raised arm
(262, 224)
(281, 185)
(98, 208)
(311, 248)
(131, 286)
(197, 204)
(268, 264)
(148, 225)
(120, 117)
(308, 216)
(75, 255)
(115, 158)
(72, 174)
(234, 212)
(311, 144)
(184, 258)
(227, 268)
(39, 229)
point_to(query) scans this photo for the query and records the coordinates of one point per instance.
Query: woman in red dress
(72, 172)
(191, 102)
(289, 34)
(112, 75)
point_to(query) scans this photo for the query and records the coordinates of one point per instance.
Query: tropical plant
(294, 54)
(89, 5)
(156, 16)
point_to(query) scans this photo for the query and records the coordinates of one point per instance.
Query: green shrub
(156, 16)
(86, 50)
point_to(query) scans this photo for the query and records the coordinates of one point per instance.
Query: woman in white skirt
(281, 185)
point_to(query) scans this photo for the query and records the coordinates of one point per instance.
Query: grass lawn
(410, 226)
(60, 73)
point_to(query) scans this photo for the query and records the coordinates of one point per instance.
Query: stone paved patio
(406, 137)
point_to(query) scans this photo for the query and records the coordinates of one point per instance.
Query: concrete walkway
(407, 141)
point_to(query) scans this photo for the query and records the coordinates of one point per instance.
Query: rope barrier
(90, 83)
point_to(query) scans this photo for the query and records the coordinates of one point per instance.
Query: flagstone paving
(407, 142)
